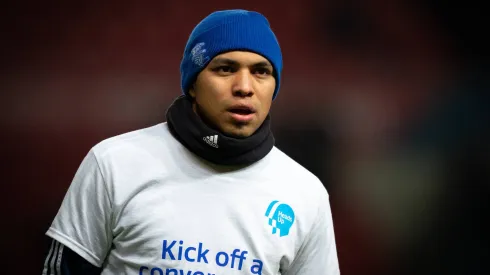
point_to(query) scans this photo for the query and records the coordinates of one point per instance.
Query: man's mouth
(241, 109)
(242, 113)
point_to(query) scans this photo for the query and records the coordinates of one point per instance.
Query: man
(205, 192)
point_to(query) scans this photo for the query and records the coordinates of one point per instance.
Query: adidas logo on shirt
(211, 140)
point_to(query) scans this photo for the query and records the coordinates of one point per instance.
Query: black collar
(211, 144)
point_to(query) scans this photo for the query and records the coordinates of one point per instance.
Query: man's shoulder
(154, 136)
(296, 180)
(290, 168)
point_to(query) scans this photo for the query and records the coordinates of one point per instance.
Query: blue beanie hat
(225, 31)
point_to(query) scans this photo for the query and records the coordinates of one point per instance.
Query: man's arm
(318, 254)
(83, 222)
(60, 260)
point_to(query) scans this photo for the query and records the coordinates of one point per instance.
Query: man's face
(234, 92)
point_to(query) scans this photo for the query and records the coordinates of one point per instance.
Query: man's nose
(243, 84)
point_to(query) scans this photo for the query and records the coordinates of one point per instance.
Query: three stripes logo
(211, 140)
(52, 263)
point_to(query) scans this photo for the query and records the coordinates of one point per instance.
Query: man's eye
(223, 69)
(263, 71)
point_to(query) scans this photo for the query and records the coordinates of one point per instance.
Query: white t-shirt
(141, 203)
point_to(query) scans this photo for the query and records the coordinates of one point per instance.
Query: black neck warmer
(213, 145)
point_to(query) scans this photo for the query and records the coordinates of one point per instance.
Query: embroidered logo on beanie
(198, 56)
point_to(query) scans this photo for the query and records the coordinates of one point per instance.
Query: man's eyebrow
(262, 64)
(225, 61)
(231, 62)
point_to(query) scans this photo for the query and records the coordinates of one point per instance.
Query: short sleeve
(83, 222)
(318, 254)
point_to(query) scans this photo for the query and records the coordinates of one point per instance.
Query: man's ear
(192, 91)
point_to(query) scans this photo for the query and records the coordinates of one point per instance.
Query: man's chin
(240, 131)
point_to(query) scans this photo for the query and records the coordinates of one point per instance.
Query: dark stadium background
(385, 101)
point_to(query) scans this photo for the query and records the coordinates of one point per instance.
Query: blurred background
(385, 101)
